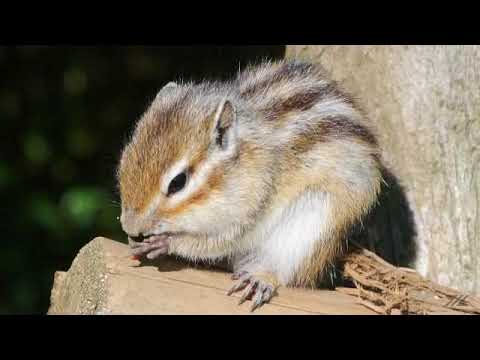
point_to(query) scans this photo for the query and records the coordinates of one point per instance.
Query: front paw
(151, 247)
(259, 287)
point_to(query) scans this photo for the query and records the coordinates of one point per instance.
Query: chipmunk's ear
(225, 125)
(166, 89)
(170, 85)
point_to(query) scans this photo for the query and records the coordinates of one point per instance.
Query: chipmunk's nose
(136, 226)
(131, 223)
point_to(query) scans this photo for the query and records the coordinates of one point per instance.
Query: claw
(261, 291)
(263, 295)
(140, 251)
(156, 253)
(152, 247)
(257, 300)
(267, 294)
(238, 285)
(155, 239)
(135, 244)
(255, 305)
(248, 292)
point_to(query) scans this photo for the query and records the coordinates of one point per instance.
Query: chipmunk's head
(179, 174)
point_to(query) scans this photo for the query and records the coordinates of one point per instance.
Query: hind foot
(260, 287)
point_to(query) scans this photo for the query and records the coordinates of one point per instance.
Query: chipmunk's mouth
(150, 238)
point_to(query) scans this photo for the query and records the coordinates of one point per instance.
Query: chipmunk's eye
(177, 184)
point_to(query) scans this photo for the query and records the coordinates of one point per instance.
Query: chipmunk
(269, 170)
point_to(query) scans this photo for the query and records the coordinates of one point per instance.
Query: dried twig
(387, 289)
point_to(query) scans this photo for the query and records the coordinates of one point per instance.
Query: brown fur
(160, 140)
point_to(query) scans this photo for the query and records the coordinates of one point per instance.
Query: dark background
(65, 113)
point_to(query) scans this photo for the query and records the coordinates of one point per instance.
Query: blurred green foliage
(65, 114)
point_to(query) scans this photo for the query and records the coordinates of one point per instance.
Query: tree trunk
(425, 102)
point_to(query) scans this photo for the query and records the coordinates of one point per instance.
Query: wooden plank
(168, 286)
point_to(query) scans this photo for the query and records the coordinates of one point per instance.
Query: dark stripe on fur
(297, 102)
(331, 128)
(341, 127)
